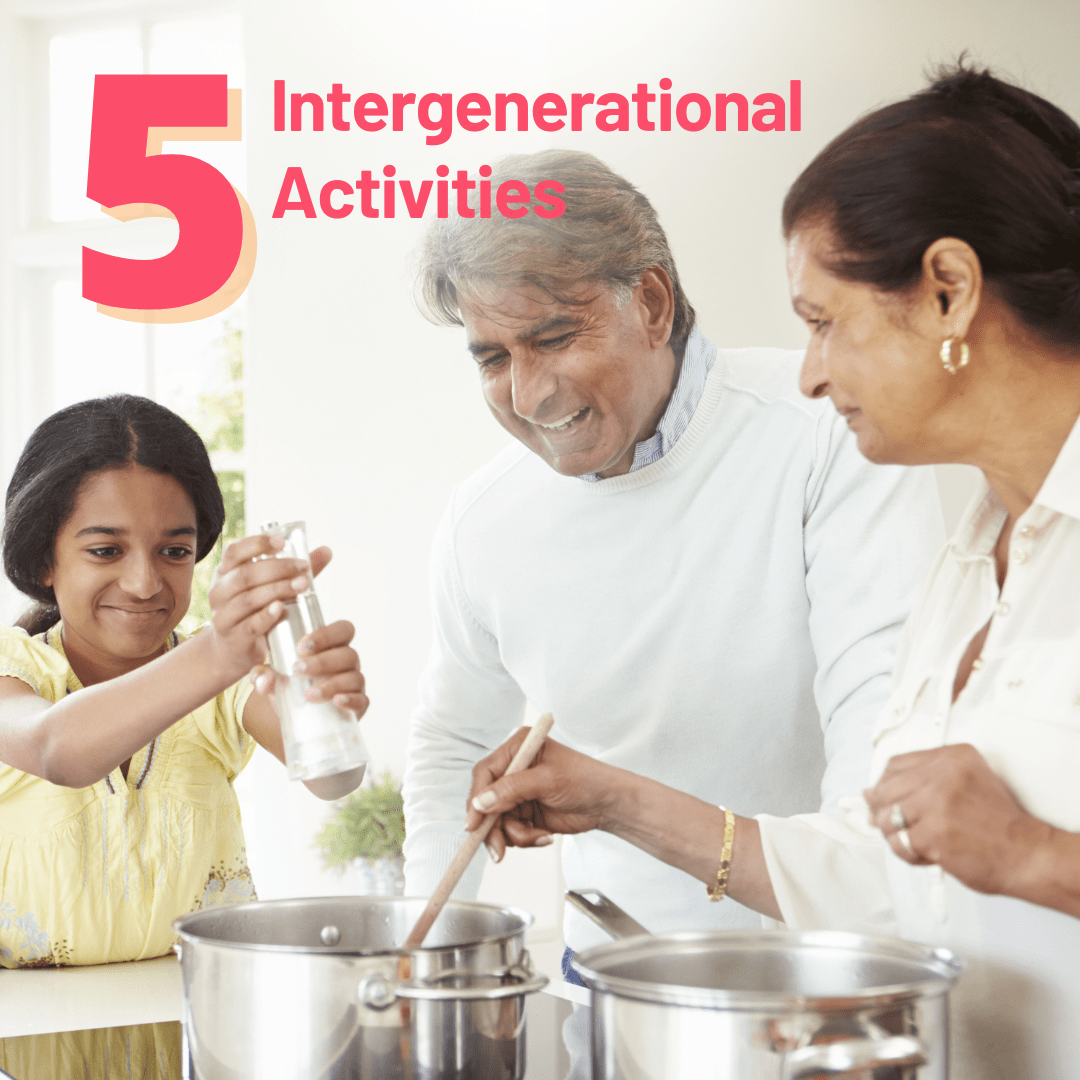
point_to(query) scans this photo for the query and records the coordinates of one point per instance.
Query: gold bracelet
(725, 857)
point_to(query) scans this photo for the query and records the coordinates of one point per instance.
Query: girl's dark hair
(970, 157)
(77, 442)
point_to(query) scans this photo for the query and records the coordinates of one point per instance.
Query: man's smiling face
(579, 383)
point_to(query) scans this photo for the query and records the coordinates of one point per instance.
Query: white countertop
(39, 1000)
(34, 1001)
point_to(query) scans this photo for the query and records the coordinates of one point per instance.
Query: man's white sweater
(722, 620)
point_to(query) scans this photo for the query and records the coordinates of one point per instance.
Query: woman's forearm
(687, 833)
(82, 738)
(565, 791)
(1051, 874)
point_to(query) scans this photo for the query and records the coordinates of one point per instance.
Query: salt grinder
(320, 739)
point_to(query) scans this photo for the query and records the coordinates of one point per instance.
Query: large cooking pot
(763, 1004)
(321, 990)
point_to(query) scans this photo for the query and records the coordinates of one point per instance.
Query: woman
(934, 252)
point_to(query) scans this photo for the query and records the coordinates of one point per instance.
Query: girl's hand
(329, 661)
(247, 598)
(326, 658)
(959, 814)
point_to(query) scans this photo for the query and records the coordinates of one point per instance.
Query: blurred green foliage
(221, 415)
(368, 824)
(221, 424)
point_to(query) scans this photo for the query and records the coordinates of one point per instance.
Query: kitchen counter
(107, 1006)
(35, 1001)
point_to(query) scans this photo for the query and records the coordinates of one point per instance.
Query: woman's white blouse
(1016, 1012)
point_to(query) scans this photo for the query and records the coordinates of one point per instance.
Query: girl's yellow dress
(143, 1051)
(97, 874)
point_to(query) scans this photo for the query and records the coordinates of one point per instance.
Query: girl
(119, 740)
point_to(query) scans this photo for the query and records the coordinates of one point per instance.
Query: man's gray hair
(609, 234)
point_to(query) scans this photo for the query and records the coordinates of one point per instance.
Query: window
(62, 350)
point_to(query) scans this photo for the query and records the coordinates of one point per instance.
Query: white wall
(361, 415)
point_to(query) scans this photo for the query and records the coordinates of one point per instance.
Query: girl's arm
(80, 740)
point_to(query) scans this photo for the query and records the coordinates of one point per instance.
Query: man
(684, 560)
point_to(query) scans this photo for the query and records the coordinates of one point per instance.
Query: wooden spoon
(471, 844)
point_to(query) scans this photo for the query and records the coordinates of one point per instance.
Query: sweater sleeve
(468, 705)
(870, 536)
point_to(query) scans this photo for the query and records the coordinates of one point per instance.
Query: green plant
(368, 824)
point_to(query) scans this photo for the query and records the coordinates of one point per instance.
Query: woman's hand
(561, 792)
(958, 814)
(247, 598)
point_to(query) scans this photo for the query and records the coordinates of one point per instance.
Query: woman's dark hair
(970, 157)
(77, 442)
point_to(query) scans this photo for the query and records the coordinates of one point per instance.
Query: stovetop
(156, 1051)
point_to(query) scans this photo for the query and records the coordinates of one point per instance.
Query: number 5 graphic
(129, 176)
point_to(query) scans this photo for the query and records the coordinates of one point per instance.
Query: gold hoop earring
(946, 356)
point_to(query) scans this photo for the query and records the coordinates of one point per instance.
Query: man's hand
(561, 792)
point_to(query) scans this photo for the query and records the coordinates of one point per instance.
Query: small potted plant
(366, 835)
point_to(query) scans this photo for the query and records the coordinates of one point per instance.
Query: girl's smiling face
(121, 569)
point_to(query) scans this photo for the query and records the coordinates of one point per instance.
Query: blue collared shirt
(697, 361)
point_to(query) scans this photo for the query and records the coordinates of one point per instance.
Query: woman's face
(122, 567)
(875, 354)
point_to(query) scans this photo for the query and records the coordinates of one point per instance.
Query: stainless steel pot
(763, 1005)
(320, 990)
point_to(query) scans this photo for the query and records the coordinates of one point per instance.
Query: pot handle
(608, 916)
(853, 1055)
(427, 992)
(379, 993)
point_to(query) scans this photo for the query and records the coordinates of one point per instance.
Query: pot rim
(945, 968)
(181, 926)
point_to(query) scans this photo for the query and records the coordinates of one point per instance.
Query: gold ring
(902, 836)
